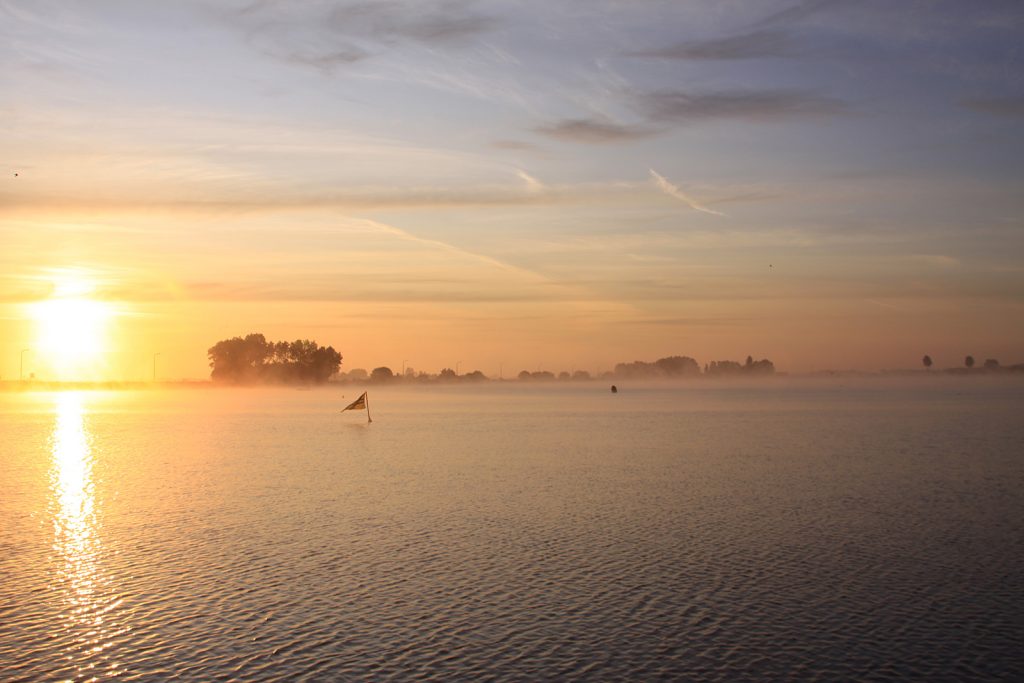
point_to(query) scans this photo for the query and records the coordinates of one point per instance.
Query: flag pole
(368, 418)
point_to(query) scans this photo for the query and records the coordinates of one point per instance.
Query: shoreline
(954, 375)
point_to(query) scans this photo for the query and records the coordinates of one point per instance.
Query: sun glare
(72, 333)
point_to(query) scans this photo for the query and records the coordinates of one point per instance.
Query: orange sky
(480, 185)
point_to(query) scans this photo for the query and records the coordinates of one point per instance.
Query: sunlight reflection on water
(85, 590)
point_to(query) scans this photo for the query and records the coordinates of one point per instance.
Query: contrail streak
(532, 184)
(668, 188)
(444, 246)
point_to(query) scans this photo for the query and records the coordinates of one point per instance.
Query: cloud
(327, 35)
(450, 248)
(884, 304)
(936, 260)
(1006, 106)
(800, 11)
(353, 199)
(513, 145)
(689, 322)
(444, 22)
(532, 184)
(325, 61)
(668, 188)
(750, 105)
(591, 131)
(753, 45)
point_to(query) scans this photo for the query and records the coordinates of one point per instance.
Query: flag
(358, 404)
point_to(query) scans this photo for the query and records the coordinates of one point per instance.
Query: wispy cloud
(327, 35)
(936, 260)
(749, 105)
(668, 188)
(428, 22)
(514, 145)
(592, 131)
(884, 304)
(800, 11)
(1004, 106)
(532, 184)
(689, 322)
(489, 260)
(231, 199)
(752, 45)
(326, 61)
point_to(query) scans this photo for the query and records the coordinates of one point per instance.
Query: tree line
(671, 367)
(684, 366)
(990, 365)
(252, 359)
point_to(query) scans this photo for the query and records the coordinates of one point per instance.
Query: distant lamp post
(154, 365)
(403, 367)
(21, 369)
(457, 364)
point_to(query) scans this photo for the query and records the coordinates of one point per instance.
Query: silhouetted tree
(724, 367)
(564, 376)
(581, 375)
(301, 361)
(524, 375)
(253, 359)
(731, 367)
(991, 364)
(672, 366)
(238, 360)
(638, 369)
(447, 375)
(382, 374)
(969, 361)
(927, 360)
(358, 374)
(677, 366)
(475, 376)
(760, 367)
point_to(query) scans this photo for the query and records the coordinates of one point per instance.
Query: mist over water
(815, 530)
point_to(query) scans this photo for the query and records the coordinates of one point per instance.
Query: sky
(501, 186)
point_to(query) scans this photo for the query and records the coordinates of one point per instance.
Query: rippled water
(806, 531)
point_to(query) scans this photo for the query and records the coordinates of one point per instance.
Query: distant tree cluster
(382, 374)
(672, 366)
(990, 366)
(732, 368)
(253, 359)
(385, 375)
(541, 375)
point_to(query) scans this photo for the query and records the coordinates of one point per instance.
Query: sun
(72, 332)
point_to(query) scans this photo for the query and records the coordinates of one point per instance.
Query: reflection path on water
(88, 627)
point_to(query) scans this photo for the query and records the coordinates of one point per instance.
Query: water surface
(805, 530)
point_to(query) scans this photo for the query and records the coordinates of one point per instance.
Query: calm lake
(802, 529)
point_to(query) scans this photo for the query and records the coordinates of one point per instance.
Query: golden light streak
(87, 594)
